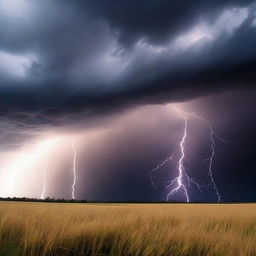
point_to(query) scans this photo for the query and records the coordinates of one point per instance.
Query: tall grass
(34, 229)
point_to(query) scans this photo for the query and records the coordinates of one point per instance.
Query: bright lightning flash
(179, 180)
(74, 170)
(44, 181)
(183, 180)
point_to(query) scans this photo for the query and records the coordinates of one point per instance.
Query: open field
(34, 229)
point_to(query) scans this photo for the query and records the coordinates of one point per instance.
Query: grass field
(131, 230)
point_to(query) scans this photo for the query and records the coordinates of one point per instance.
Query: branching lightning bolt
(183, 180)
(210, 174)
(157, 168)
(179, 180)
(74, 170)
(44, 181)
(213, 153)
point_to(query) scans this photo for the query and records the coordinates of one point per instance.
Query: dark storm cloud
(160, 20)
(64, 57)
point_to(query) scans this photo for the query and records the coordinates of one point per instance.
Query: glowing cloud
(22, 163)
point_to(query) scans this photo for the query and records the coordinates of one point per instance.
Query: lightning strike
(151, 173)
(74, 170)
(210, 174)
(213, 153)
(183, 181)
(179, 180)
(44, 181)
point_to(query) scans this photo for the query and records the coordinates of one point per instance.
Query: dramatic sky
(110, 89)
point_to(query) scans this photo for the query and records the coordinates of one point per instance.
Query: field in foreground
(34, 229)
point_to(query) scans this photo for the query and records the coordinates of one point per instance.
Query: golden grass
(34, 229)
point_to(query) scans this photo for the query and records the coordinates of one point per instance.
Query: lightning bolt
(212, 156)
(212, 135)
(183, 180)
(74, 169)
(179, 180)
(44, 181)
(151, 173)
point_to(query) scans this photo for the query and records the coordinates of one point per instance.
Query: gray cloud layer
(61, 57)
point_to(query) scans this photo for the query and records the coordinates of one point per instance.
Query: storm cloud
(67, 57)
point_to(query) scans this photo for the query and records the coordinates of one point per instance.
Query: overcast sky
(105, 73)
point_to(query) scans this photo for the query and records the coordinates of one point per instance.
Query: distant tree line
(48, 199)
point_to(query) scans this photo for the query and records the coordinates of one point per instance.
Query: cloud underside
(62, 58)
